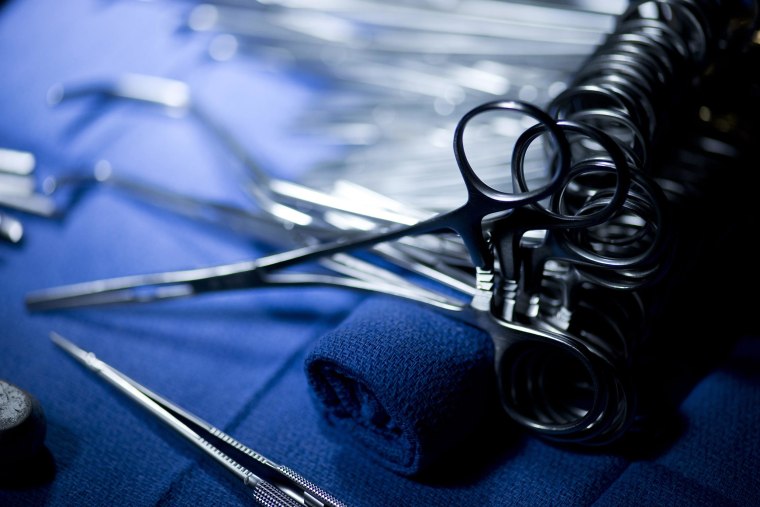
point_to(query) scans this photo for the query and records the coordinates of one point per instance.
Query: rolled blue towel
(402, 382)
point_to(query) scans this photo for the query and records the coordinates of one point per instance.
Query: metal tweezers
(272, 485)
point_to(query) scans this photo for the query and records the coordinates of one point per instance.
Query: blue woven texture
(239, 360)
(407, 386)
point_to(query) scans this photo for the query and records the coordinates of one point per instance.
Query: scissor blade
(242, 275)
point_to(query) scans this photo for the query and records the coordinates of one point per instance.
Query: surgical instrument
(242, 221)
(495, 305)
(11, 229)
(531, 23)
(483, 200)
(555, 282)
(16, 162)
(34, 204)
(424, 90)
(16, 184)
(271, 484)
(270, 193)
(16, 190)
(264, 228)
(283, 200)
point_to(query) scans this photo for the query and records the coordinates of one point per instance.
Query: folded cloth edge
(401, 382)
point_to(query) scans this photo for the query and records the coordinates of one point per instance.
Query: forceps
(519, 210)
(272, 485)
(466, 221)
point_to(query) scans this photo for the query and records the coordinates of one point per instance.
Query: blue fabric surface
(237, 359)
(407, 386)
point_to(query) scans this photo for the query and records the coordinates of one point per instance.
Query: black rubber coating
(22, 426)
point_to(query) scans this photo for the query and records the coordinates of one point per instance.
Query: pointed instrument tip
(70, 348)
(59, 340)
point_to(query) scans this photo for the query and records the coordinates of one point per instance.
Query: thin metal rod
(128, 387)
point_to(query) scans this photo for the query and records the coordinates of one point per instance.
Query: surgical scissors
(467, 221)
(265, 227)
(498, 278)
(272, 485)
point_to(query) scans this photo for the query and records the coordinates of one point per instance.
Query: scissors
(272, 485)
(485, 211)
(467, 221)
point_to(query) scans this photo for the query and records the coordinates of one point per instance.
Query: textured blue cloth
(237, 359)
(403, 383)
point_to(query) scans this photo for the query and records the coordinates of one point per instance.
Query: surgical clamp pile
(564, 268)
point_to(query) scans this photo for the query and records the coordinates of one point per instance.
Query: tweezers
(272, 485)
